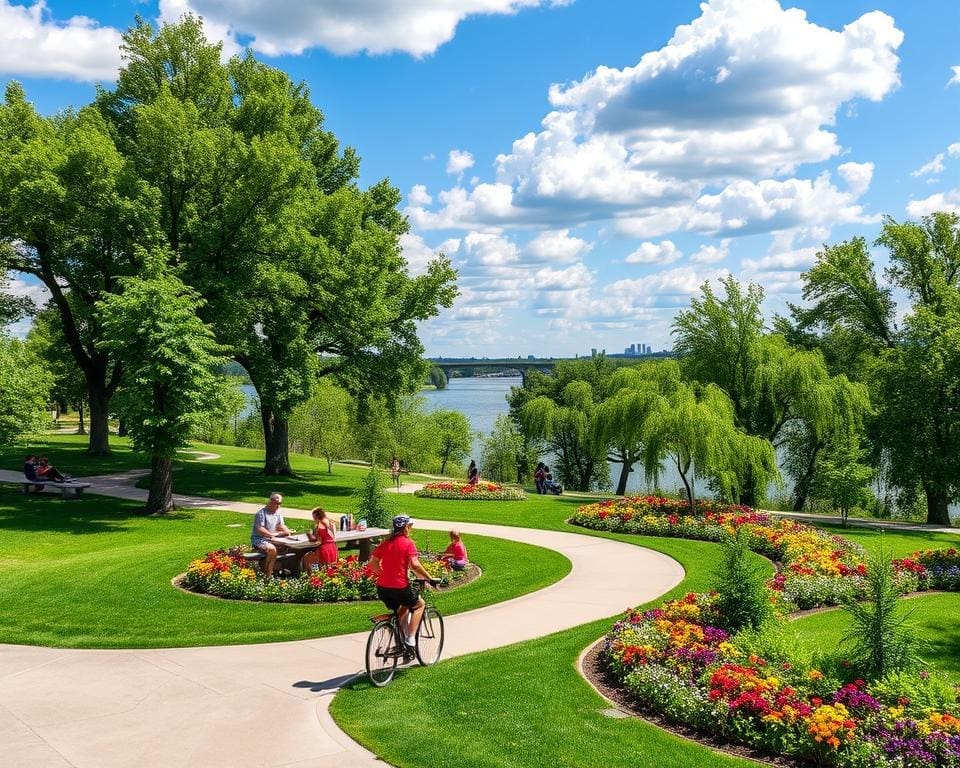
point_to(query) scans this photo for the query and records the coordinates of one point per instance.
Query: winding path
(211, 706)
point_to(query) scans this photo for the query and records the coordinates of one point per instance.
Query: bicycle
(385, 646)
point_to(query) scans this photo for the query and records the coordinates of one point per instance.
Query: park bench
(68, 490)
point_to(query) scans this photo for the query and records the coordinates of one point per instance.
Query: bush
(881, 638)
(742, 595)
(371, 501)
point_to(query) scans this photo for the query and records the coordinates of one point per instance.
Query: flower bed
(227, 574)
(478, 492)
(932, 568)
(816, 568)
(677, 662)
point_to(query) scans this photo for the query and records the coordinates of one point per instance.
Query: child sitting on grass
(455, 553)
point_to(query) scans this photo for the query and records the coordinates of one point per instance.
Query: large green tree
(301, 269)
(773, 386)
(453, 436)
(170, 363)
(72, 211)
(916, 426)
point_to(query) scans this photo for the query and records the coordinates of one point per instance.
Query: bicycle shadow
(322, 686)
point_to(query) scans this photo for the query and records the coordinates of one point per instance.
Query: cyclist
(391, 561)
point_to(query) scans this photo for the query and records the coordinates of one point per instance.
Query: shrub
(742, 596)
(372, 505)
(881, 637)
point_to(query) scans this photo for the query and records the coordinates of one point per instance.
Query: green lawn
(526, 704)
(934, 616)
(92, 573)
(67, 452)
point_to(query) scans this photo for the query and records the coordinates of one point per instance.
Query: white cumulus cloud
(747, 92)
(276, 27)
(955, 77)
(34, 44)
(941, 201)
(458, 161)
(664, 252)
(557, 246)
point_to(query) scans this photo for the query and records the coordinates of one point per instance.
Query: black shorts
(394, 597)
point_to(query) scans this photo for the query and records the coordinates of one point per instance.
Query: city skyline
(587, 165)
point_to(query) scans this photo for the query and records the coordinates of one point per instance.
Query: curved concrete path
(212, 706)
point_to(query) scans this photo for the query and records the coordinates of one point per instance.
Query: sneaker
(410, 642)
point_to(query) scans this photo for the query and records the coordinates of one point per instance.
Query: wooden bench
(68, 490)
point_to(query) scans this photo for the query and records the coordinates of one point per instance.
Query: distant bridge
(525, 364)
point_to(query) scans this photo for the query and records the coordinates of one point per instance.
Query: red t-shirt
(394, 556)
(456, 550)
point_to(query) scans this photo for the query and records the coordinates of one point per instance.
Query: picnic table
(300, 544)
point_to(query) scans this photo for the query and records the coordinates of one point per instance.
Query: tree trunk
(748, 496)
(802, 487)
(689, 486)
(625, 469)
(122, 427)
(937, 503)
(160, 499)
(81, 429)
(275, 442)
(99, 444)
(443, 465)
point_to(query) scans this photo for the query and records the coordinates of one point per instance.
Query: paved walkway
(211, 706)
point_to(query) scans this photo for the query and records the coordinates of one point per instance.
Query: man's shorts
(394, 597)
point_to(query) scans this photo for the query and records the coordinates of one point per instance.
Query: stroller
(551, 487)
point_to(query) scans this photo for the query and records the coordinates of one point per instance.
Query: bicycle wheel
(430, 637)
(382, 653)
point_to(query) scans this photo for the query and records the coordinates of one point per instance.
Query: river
(483, 399)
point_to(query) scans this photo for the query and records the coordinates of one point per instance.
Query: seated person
(455, 553)
(268, 524)
(47, 472)
(324, 531)
(30, 468)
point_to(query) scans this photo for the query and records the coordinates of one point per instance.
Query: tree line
(844, 389)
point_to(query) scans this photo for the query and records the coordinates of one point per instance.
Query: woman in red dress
(325, 532)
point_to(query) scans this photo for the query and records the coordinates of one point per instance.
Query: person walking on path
(324, 531)
(395, 472)
(268, 524)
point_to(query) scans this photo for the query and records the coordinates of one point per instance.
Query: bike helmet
(400, 522)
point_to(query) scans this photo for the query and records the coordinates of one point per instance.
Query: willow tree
(620, 419)
(910, 380)
(773, 387)
(559, 409)
(693, 426)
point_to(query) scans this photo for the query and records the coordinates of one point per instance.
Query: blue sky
(588, 164)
